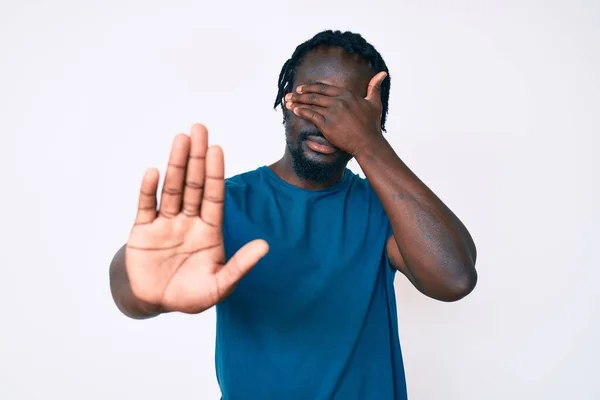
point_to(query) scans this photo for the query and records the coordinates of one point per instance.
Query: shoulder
(361, 187)
(363, 199)
(251, 184)
(244, 179)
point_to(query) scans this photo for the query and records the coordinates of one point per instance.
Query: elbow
(460, 287)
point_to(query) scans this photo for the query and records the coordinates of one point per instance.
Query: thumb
(241, 263)
(374, 89)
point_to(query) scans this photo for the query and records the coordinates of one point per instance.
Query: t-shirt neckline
(279, 181)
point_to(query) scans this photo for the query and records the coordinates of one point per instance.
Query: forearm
(122, 294)
(437, 249)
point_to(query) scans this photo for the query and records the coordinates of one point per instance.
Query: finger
(314, 115)
(374, 89)
(324, 111)
(172, 192)
(146, 213)
(194, 179)
(240, 264)
(311, 99)
(321, 88)
(211, 210)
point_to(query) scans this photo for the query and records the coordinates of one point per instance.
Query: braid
(352, 43)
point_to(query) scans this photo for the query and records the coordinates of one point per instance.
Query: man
(311, 314)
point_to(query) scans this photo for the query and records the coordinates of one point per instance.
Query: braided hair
(350, 42)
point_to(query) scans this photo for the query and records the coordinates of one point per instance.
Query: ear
(374, 89)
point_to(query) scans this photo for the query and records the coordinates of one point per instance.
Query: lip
(321, 140)
(322, 147)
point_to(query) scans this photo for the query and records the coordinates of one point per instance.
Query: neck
(284, 168)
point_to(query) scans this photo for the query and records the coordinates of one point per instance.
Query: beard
(311, 169)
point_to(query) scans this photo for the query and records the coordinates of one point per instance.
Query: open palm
(175, 257)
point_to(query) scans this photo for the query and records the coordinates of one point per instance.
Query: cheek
(290, 131)
(292, 121)
(298, 124)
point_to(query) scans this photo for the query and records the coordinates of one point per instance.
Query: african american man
(299, 257)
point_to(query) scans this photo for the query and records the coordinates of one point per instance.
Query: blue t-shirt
(315, 319)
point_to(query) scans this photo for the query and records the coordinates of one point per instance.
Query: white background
(493, 104)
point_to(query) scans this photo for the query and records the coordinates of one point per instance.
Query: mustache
(303, 135)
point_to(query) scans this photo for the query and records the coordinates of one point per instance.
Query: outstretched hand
(175, 256)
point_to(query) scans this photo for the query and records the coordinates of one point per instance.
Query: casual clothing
(315, 319)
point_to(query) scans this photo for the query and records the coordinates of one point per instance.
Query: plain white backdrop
(495, 105)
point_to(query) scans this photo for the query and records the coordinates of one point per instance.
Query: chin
(317, 167)
(321, 159)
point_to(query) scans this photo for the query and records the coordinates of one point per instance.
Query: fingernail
(299, 89)
(288, 96)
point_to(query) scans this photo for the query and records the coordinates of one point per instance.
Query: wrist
(373, 147)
